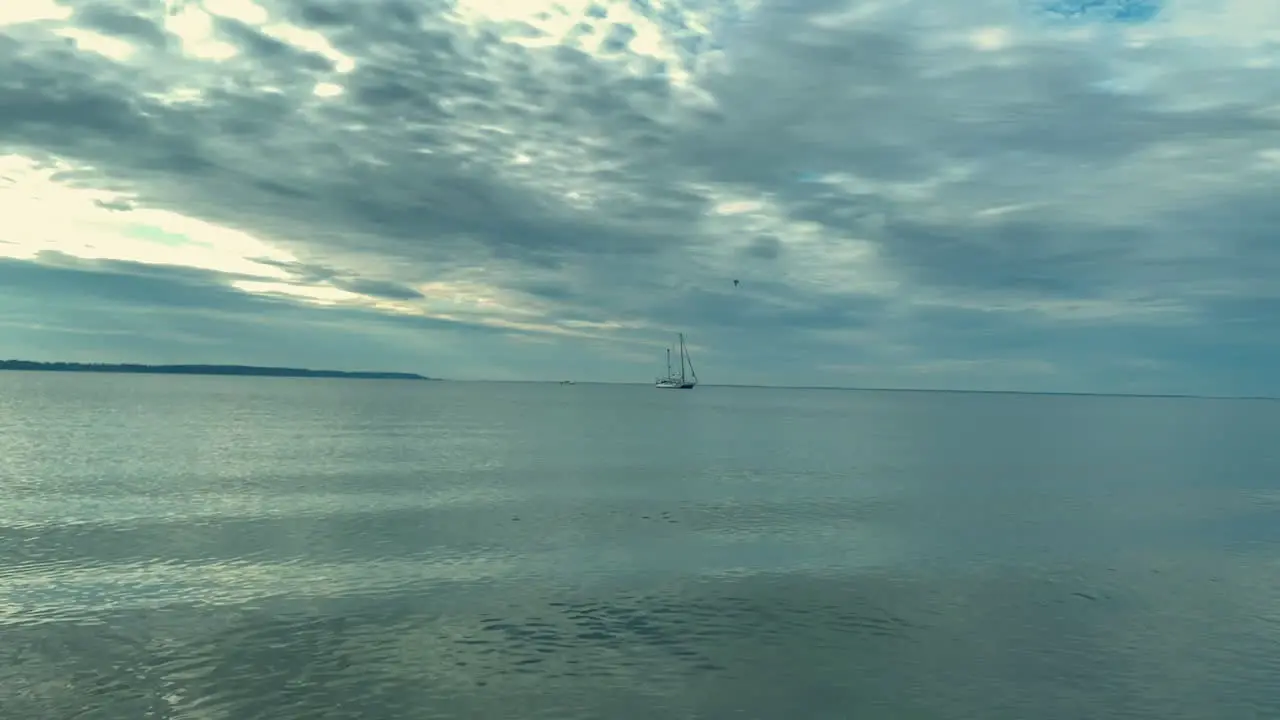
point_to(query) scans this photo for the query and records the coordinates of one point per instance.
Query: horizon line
(328, 374)
(853, 388)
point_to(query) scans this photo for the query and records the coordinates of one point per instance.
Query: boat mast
(691, 370)
(668, 362)
(682, 358)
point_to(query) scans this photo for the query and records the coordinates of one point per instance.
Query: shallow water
(201, 548)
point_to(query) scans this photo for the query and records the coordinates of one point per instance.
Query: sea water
(209, 548)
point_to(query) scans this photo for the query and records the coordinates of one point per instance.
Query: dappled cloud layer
(989, 194)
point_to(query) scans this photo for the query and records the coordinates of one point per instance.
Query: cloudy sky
(990, 194)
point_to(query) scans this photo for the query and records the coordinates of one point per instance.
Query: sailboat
(679, 381)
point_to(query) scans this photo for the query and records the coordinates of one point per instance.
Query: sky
(1037, 195)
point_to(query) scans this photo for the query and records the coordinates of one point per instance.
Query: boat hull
(675, 386)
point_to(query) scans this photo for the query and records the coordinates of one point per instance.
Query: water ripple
(213, 549)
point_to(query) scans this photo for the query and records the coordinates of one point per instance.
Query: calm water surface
(240, 548)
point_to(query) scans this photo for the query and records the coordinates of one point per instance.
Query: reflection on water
(239, 548)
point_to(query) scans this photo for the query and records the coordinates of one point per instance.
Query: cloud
(910, 193)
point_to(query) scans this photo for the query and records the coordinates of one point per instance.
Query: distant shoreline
(233, 370)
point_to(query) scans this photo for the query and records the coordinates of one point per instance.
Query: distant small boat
(679, 381)
(566, 382)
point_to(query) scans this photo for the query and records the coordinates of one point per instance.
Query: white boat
(679, 381)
